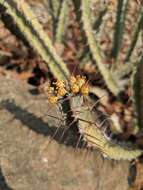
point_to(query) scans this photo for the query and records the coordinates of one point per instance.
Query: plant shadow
(3, 183)
(41, 127)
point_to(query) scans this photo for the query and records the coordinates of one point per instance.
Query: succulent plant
(104, 28)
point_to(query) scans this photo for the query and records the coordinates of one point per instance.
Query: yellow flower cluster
(75, 85)
(78, 84)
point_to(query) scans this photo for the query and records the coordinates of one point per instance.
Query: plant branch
(33, 31)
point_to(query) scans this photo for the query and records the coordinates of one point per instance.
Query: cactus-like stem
(95, 138)
(96, 51)
(54, 11)
(136, 35)
(76, 4)
(33, 31)
(99, 20)
(119, 28)
(55, 7)
(138, 94)
(62, 21)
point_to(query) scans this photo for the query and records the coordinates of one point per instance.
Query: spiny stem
(55, 7)
(62, 21)
(54, 11)
(136, 35)
(33, 31)
(97, 54)
(95, 138)
(138, 94)
(119, 28)
(99, 20)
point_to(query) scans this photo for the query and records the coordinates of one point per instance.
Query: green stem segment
(95, 138)
(96, 51)
(138, 94)
(33, 31)
(62, 21)
(119, 29)
(136, 35)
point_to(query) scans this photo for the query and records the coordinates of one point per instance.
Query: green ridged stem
(33, 31)
(119, 29)
(94, 136)
(55, 7)
(54, 11)
(96, 51)
(135, 35)
(138, 94)
(62, 21)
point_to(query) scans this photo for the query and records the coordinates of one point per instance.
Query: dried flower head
(62, 91)
(76, 85)
(84, 89)
(80, 80)
(53, 99)
(75, 88)
(59, 84)
(50, 90)
(72, 80)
